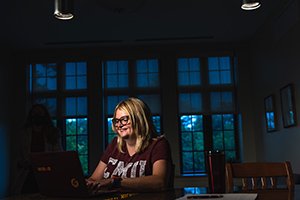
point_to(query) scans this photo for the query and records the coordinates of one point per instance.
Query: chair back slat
(254, 183)
(256, 176)
(263, 182)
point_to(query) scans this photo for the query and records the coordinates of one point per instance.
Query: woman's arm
(99, 172)
(157, 181)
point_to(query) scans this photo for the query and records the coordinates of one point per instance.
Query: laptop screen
(59, 173)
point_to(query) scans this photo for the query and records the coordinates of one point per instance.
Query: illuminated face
(123, 125)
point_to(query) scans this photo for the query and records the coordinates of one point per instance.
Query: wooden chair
(260, 176)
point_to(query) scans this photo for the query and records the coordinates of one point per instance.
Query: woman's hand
(95, 186)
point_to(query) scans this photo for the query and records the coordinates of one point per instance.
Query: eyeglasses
(123, 120)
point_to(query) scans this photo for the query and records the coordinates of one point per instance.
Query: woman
(137, 159)
(38, 135)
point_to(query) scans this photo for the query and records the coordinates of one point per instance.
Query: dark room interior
(256, 53)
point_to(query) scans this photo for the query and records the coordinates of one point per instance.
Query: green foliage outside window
(77, 139)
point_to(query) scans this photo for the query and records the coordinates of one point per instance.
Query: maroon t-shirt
(140, 164)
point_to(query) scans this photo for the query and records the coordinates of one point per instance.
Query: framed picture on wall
(270, 113)
(288, 108)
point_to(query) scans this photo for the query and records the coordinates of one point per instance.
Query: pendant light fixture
(63, 9)
(250, 4)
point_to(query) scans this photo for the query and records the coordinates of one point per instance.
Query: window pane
(81, 82)
(112, 67)
(195, 190)
(190, 102)
(188, 162)
(81, 106)
(43, 77)
(218, 140)
(185, 123)
(217, 123)
(75, 75)
(84, 163)
(70, 83)
(192, 143)
(186, 141)
(82, 144)
(123, 66)
(81, 68)
(226, 77)
(153, 101)
(70, 69)
(224, 63)
(219, 70)
(270, 120)
(39, 84)
(111, 81)
(230, 156)
(40, 70)
(51, 83)
(229, 140)
(183, 65)
(224, 134)
(147, 74)
(221, 101)
(183, 78)
(82, 126)
(123, 80)
(188, 71)
(142, 80)
(71, 127)
(116, 74)
(71, 143)
(76, 106)
(198, 141)
(141, 66)
(110, 133)
(77, 138)
(156, 122)
(70, 106)
(228, 121)
(214, 78)
(199, 162)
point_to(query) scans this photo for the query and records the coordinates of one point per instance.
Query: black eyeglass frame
(123, 120)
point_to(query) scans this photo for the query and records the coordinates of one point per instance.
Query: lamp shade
(63, 9)
(250, 4)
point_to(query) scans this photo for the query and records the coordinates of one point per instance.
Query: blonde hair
(141, 120)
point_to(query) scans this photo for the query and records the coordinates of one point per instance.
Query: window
(66, 105)
(192, 144)
(81, 96)
(223, 130)
(124, 78)
(219, 70)
(76, 125)
(43, 77)
(147, 73)
(116, 74)
(206, 110)
(76, 76)
(189, 71)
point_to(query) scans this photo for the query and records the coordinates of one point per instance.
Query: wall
(12, 114)
(274, 63)
(4, 123)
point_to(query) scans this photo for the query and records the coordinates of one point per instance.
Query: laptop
(60, 174)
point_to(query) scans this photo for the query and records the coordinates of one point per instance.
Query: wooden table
(165, 195)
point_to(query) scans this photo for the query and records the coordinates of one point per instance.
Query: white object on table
(228, 196)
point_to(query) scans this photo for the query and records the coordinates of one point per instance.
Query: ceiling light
(63, 9)
(250, 4)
